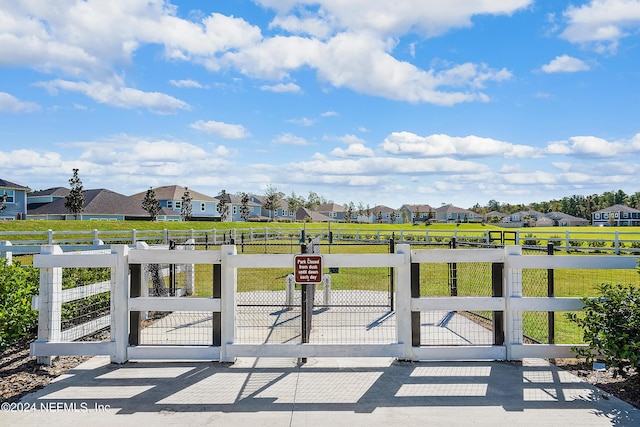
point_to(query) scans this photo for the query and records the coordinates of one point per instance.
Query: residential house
(564, 220)
(42, 197)
(334, 211)
(15, 200)
(523, 218)
(617, 215)
(203, 207)
(282, 213)
(417, 213)
(101, 204)
(494, 217)
(544, 222)
(305, 214)
(449, 213)
(234, 204)
(385, 215)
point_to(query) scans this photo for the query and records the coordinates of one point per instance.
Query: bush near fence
(18, 284)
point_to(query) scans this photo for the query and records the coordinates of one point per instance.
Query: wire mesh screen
(535, 283)
(264, 314)
(357, 310)
(439, 327)
(86, 307)
(574, 283)
(352, 308)
(177, 328)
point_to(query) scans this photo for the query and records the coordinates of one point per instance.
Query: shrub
(18, 285)
(611, 327)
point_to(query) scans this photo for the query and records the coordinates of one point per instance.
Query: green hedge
(17, 285)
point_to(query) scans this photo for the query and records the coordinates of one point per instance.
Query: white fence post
(326, 289)
(513, 289)
(5, 251)
(49, 303)
(190, 270)
(290, 289)
(228, 301)
(120, 303)
(403, 301)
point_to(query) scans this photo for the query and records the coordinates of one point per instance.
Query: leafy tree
(223, 207)
(394, 216)
(313, 201)
(348, 212)
(493, 205)
(186, 209)
(75, 198)
(272, 199)
(294, 202)
(244, 206)
(151, 204)
(361, 210)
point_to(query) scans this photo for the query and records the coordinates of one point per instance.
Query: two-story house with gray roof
(14, 200)
(203, 207)
(417, 213)
(618, 215)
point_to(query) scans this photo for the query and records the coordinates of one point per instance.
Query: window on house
(202, 207)
(235, 210)
(10, 196)
(178, 204)
(170, 204)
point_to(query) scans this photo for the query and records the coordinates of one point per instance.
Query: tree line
(577, 205)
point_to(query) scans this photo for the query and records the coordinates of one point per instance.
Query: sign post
(308, 273)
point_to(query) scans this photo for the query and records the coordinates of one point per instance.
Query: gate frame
(124, 303)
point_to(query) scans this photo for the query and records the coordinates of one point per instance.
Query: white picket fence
(120, 258)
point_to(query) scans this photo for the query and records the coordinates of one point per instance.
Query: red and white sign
(308, 268)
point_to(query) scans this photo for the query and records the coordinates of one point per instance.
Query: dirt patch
(624, 387)
(20, 374)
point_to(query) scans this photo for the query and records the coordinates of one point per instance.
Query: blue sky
(369, 101)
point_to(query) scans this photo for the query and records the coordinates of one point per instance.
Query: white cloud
(591, 146)
(601, 23)
(302, 121)
(313, 26)
(351, 139)
(188, 83)
(282, 88)
(221, 129)
(290, 139)
(329, 114)
(389, 18)
(565, 64)
(438, 145)
(353, 150)
(116, 95)
(348, 43)
(11, 104)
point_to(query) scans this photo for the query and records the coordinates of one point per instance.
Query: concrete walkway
(322, 392)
